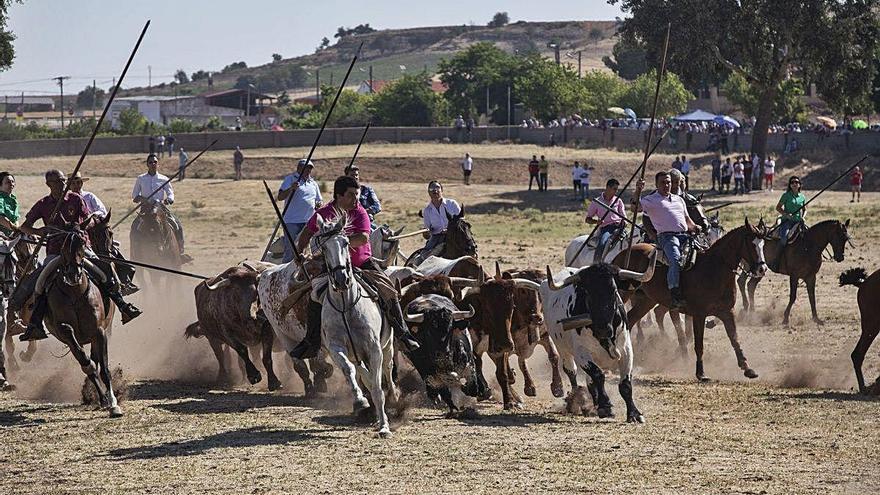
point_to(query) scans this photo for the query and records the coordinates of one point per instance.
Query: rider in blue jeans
(792, 211)
(669, 215)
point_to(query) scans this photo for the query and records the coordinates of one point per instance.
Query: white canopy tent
(696, 116)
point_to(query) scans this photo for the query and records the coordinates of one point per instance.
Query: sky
(92, 39)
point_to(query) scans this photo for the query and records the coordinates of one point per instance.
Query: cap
(305, 162)
(79, 176)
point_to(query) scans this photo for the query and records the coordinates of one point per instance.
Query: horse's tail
(853, 276)
(193, 330)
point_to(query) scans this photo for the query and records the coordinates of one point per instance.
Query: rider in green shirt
(792, 212)
(8, 204)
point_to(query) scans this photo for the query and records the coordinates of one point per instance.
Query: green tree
(500, 19)
(549, 89)
(181, 77)
(628, 59)
(198, 75)
(7, 51)
(244, 81)
(831, 43)
(603, 90)
(90, 96)
(639, 95)
(234, 66)
(409, 101)
(788, 106)
(470, 72)
(131, 122)
(276, 57)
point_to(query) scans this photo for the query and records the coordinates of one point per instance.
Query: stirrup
(33, 332)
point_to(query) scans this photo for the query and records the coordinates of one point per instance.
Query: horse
(153, 241)
(869, 294)
(16, 321)
(801, 260)
(459, 241)
(709, 287)
(77, 315)
(353, 328)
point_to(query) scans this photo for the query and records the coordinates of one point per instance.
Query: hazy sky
(91, 39)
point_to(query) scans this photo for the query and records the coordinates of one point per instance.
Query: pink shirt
(618, 213)
(358, 221)
(668, 213)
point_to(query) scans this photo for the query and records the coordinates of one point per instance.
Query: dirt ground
(798, 428)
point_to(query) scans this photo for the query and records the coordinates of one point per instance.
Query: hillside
(422, 48)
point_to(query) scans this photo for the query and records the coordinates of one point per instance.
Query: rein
(343, 311)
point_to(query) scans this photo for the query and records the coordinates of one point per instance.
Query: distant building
(12, 103)
(198, 109)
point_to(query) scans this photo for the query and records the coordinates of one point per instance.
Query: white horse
(587, 255)
(353, 329)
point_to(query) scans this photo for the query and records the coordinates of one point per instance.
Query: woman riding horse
(792, 208)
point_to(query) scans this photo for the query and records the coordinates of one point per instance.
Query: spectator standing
(160, 144)
(237, 162)
(676, 164)
(855, 180)
(533, 172)
(576, 171)
(769, 172)
(181, 164)
(238, 123)
(726, 174)
(467, 166)
(170, 142)
(543, 170)
(757, 171)
(716, 172)
(747, 173)
(586, 174)
(738, 176)
(685, 171)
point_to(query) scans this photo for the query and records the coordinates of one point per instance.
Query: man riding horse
(611, 221)
(345, 201)
(71, 210)
(669, 216)
(153, 182)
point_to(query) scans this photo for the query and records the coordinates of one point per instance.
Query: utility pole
(371, 79)
(94, 98)
(5, 107)
(318, 86)
(149, 77)
(60, 80)
(579, 63)
(487, 105)
(509, 117)
(555, 47)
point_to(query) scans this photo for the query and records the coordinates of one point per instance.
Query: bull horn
(416, 318)
(218, 285)
(463, 315)
(461, 282)
(391, 255)
(524, 283)
(497, 270)
(565, 283)
(641, 277)
(578, 321)
(398, 231)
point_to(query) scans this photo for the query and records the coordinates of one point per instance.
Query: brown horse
(16, 321)
(709, 287)
(801, 260)
(153, 241)
(869, 295)
(77, 315)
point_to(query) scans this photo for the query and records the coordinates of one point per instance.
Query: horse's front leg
(741, 282)
(752, 286)
(100, 356)
(811, 293)
(792, 297)
(699, 327)
(338, 353)
(730, 327)
(66, 336)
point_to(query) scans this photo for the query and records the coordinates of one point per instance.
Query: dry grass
(182, 435)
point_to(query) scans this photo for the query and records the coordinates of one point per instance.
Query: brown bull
(227, 308)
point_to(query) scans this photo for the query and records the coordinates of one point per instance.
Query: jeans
(542, 181)
(670, 243)
(294, 229)
(738, 186)
(605, 234)
(784, 228)
(534, 177)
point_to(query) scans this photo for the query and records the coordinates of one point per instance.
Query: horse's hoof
(635, 418)
(385, 433)
(556, 389)
(360, 406)
(25, 357)
(605, 412)
(711, 323)
(819, 321)
(275, 385)
(513, 406)
(6, 386)
(785, 323)
(703, 379)
(115, 412)
(320, 385)
(530, 390)
(750, 373)
(255, 378)
(311, 392)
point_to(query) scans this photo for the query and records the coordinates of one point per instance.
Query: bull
(445, 357)
(587, 320)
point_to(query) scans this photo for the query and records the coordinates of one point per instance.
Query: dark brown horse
(77, 315)
(801, 260)
(153, 241)
(459, 241)
(709, 287)
(16, 321)
(869, 296)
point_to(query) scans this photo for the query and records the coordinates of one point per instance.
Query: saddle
(689, 252)
(794, 235)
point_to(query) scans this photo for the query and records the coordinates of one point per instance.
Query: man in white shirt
(154, 182)
(685, 171)
(302, 196)
(434, 215)
(586, 174)
(467, 166)
(576, 171)
(93, 203)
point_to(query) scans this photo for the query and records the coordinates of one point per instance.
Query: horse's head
(716, 230)
(839, 238)
(73, 251)
(752, 251)
(459, 238)
(101, 235)
(334, 245)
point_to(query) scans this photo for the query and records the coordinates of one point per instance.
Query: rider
(72, 209)
(434, 216)
(368, 198)
(609, 220)
(94, 206)
(150, 182)
(345, 198)
(9, 214)
(669, 215)
(792, 211)
(302, 196)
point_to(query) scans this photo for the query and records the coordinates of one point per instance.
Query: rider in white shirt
(152, 181)
(434, 215)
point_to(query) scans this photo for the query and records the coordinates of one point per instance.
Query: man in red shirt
(346, 192)
(72, 209)
(855, 180)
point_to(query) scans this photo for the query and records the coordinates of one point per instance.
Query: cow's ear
(420, 214)
(846, 223)
(461, 214)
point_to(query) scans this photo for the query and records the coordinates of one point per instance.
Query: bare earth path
(797, 429)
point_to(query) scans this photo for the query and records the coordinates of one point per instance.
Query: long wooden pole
(297, 257)
(834, 182)
(151, 267)
(358, 149)
(647, 144)
(91, 138)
